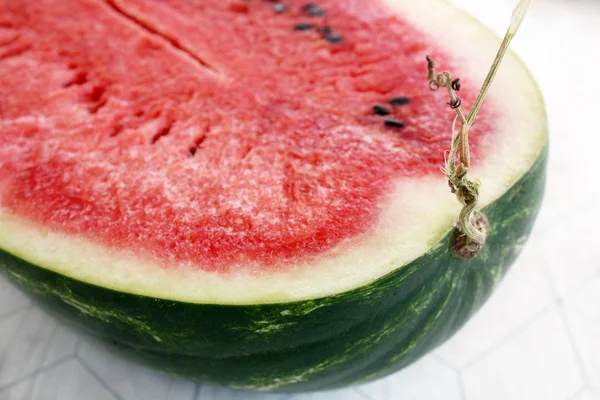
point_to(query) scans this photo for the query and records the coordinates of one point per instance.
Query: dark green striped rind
(323, 343)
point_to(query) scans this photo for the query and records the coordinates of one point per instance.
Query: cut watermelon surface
(219, 140)
(236, 153)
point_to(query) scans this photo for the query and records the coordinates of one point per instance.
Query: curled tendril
(466, 190)
(455, 103)
(456, 84)
(472, 225)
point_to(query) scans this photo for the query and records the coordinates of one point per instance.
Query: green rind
(316, 344)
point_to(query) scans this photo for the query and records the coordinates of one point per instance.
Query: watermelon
(248, 193)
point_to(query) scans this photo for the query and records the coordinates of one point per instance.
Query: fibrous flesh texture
(215, 132)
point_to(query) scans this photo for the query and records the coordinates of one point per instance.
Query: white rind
(420, 213)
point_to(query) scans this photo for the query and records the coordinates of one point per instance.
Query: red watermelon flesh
(215, 131)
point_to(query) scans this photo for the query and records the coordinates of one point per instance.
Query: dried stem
(467, 191)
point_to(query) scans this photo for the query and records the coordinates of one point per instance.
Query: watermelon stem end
(472, 225)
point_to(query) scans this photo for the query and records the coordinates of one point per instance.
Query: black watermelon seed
(324, 30)
(313, 10)
(316, 12)
(303, 27)
(399, 101)
(279, 8)
(380, 110)
(309, 6)
(392, 123)
(333, 38)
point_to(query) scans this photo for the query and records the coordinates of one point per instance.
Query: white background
(537, 338)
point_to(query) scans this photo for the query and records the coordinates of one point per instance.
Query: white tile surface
(583, 315)
(415, 383)
(572, 262)
(522, 345)
(536, 363)
(11, 299)
(346, 394)
(133, 382)
(587, 395)
(30, 340)
(67, 381)
(207, 392)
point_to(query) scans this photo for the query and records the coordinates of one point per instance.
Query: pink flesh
(102, 104)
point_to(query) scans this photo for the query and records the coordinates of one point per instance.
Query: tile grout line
(445, 363)
(576, 394)
(78, 346)
(97, 377)
(574, 347)
(196, 391)
(38, 372)
(459, 375)
(554, 281)
(14, 311)
(362, 394)
(511, 334)
(580, 286)
(461, 386)
(550, 280)
(567, 324)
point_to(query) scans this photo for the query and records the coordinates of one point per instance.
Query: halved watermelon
(248, 192)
